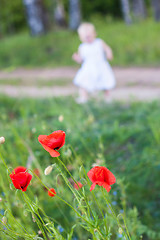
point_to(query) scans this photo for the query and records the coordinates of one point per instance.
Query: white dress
(95, 72)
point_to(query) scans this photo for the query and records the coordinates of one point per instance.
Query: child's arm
(107, 50)
(76, 57)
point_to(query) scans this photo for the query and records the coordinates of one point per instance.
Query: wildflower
(115, 193)
(60, 118)
(114, 203)
(60, 229)
(120, 230)
(48, 170)
(51, 192)
(20, 178)
(34, 130)
(52, 142)
(102, 177)
(2, 140)
(78, 185)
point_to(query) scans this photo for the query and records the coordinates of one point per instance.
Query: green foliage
(12, 16)
(132, 45)
(109, 7)
(124, 138)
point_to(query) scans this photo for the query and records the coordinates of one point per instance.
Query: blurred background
(37, 40)
(130, 27)
(38, 34)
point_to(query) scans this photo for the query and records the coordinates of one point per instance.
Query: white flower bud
(2, 140)
(60, 118)
(4, 220)
(48, 170)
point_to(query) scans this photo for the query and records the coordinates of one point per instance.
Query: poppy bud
(48, 170)
(2, 140)
(51, 192)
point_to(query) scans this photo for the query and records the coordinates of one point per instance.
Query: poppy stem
(4, 163)
(77, 185)
(78, 214)
(109, 205)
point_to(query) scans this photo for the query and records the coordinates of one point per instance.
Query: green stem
(109, 205)
(74, 211)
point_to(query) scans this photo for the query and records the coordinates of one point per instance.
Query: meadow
(134, 45)
(124, 137)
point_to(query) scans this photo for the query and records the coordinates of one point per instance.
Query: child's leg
(83, 96)
(107, 96)
(107, 93)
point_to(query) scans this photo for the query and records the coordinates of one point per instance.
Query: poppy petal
(54, 140)
(90, 174)
(19, 169)
(29, 177)
(52, 152)
(106, 186)
(92, 186)
(51, 192)
(109, 177)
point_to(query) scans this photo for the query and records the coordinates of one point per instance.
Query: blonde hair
(86, 27)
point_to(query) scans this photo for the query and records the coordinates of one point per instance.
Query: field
(123, 137)
(134, 45)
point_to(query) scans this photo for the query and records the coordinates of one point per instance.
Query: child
(95, 72)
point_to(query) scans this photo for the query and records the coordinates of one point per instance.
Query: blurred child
(95, 72)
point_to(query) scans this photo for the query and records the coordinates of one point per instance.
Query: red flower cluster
(78, 185)
(52, 142)
(102, 177)
(51, 192)
(20, 178)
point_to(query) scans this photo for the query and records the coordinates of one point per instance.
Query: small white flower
(2, 140)
(60, 118)
(34, 130)
(48, 170)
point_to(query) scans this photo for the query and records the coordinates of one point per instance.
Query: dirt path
(132, 83)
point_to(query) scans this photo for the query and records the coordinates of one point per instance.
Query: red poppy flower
(102, 177)
(78, 185)
(20, 178)
(51, 192)
(52, 142)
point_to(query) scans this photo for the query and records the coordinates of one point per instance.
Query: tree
(126, 11)
(156, 9)
(74, 14)
(59, 14)
(36, 16)
(138, 8)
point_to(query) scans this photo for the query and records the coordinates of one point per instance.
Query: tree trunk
(156, 9)
(126, 11)
(36, 17)
(59, 14)
(74, 14)
(139, 9)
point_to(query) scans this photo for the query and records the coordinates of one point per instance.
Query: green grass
(36, 82)
(137, 44)
(124, 138)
